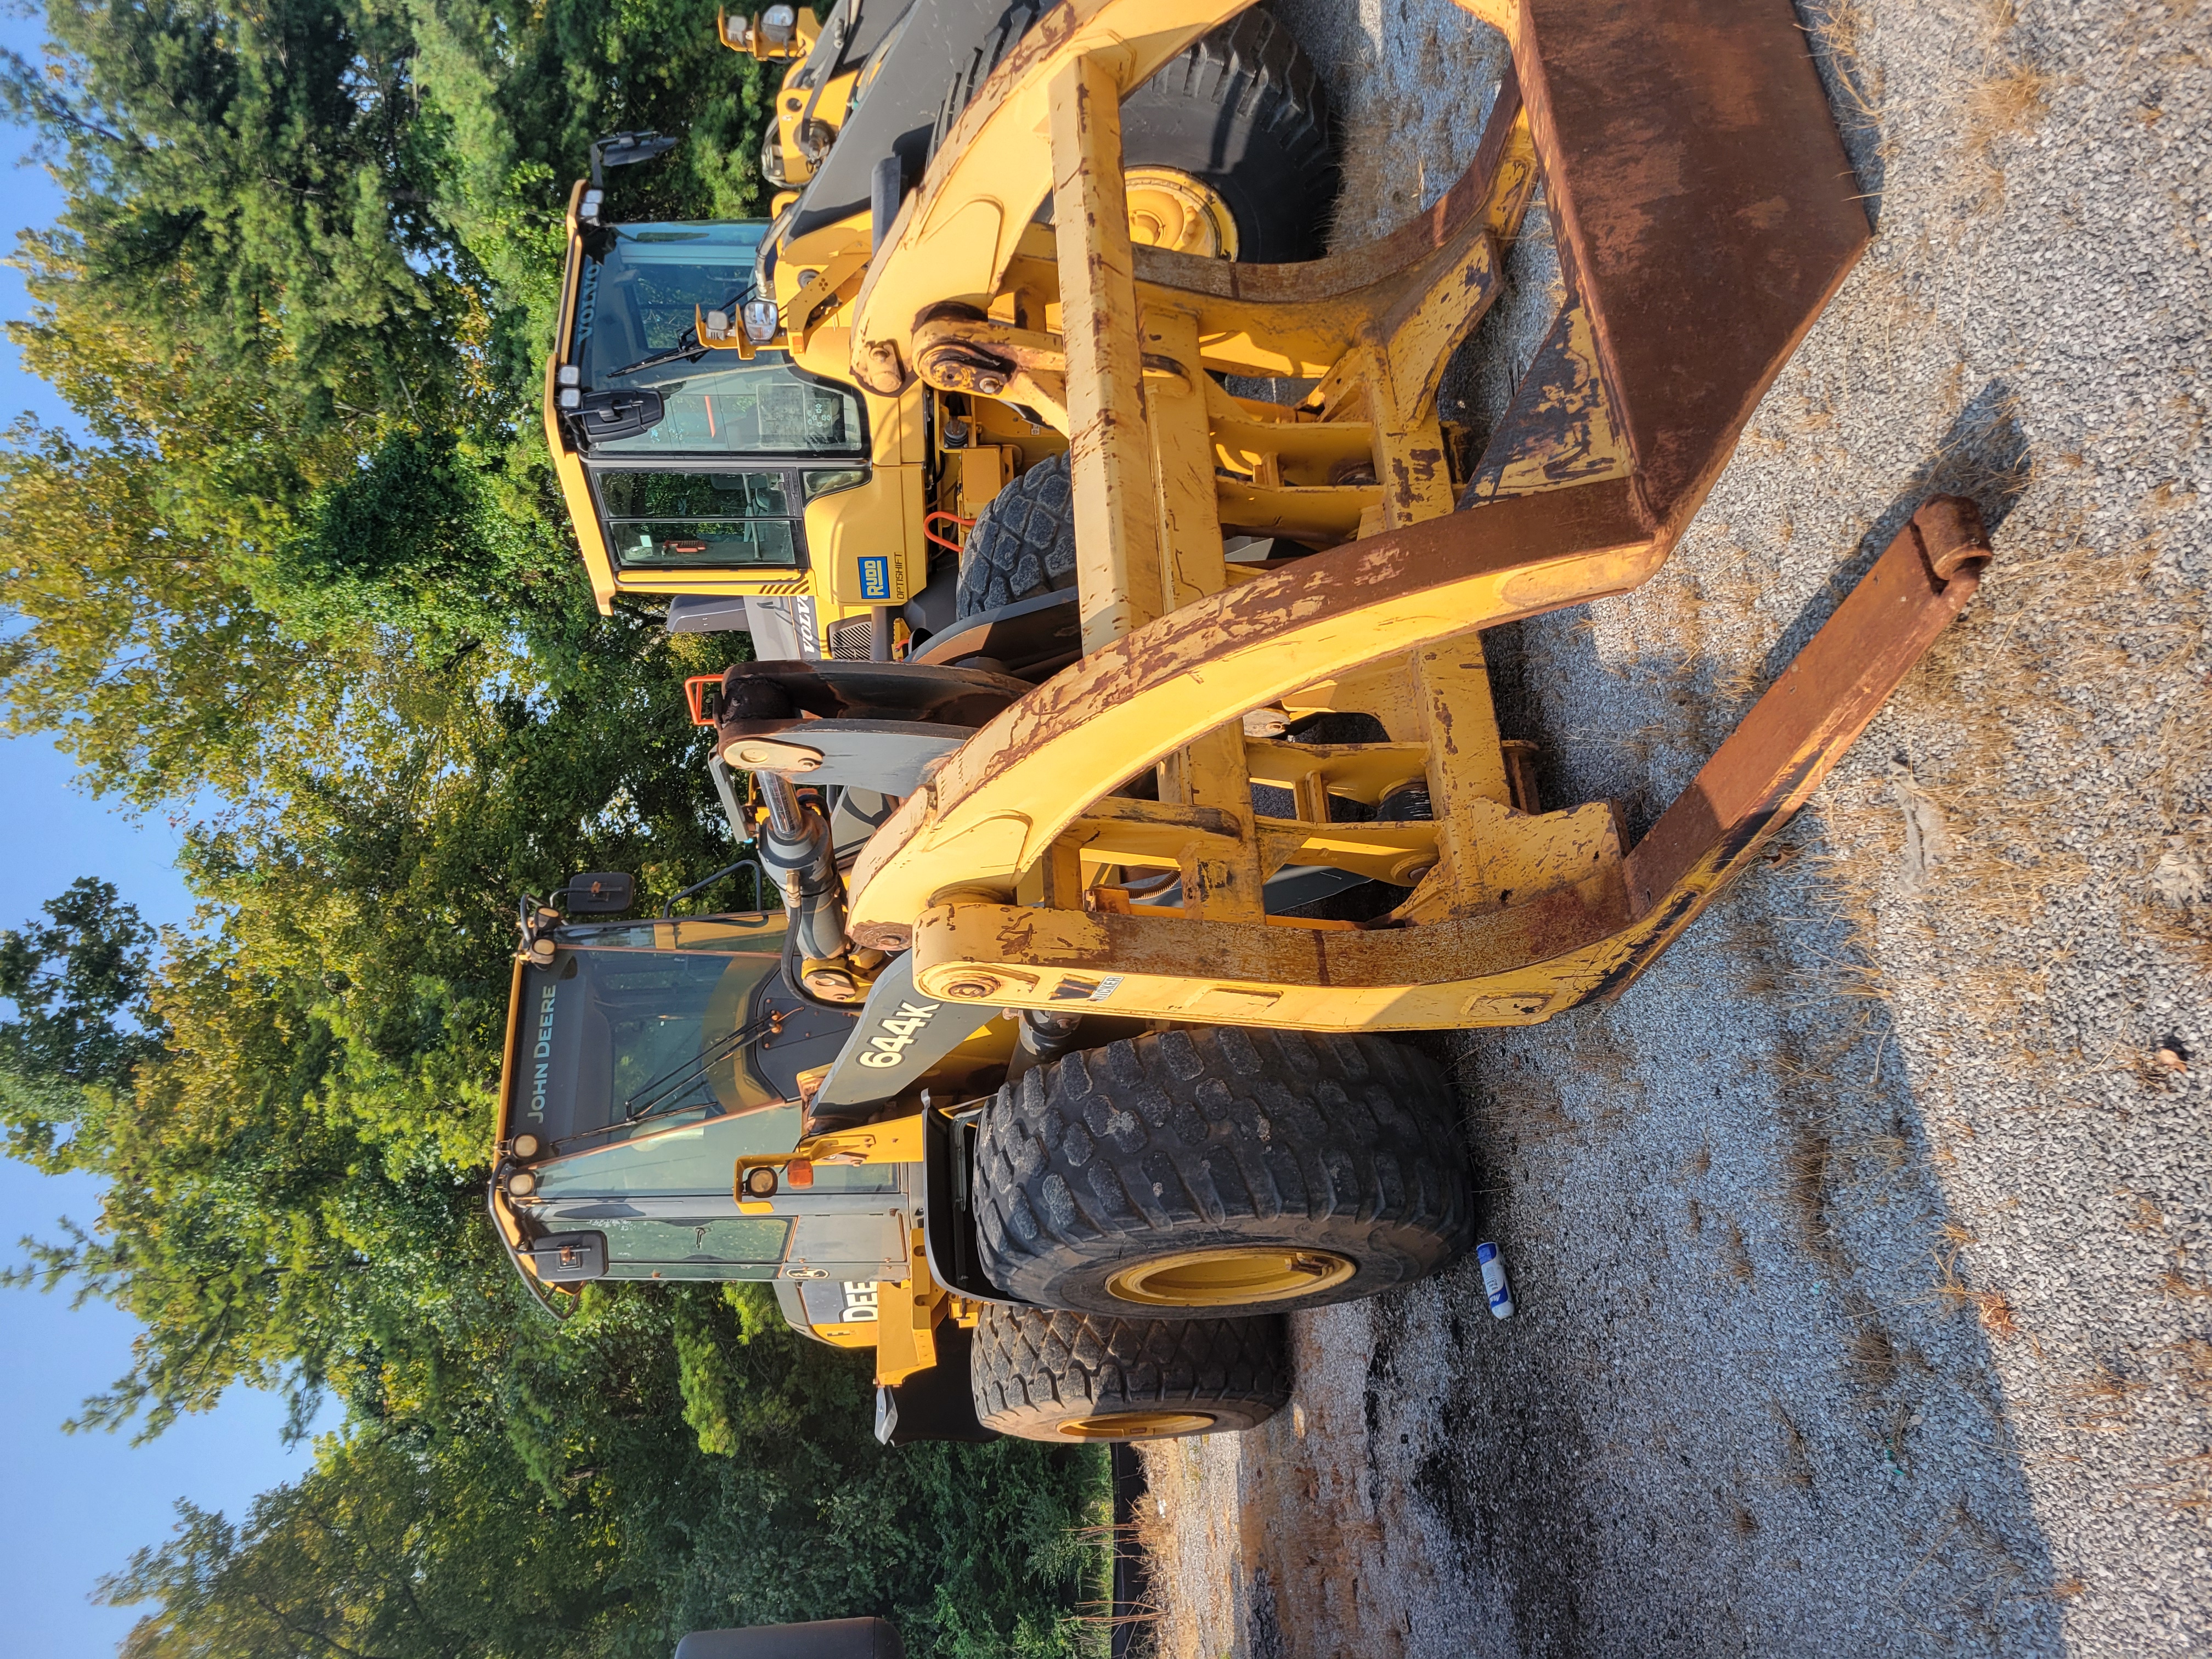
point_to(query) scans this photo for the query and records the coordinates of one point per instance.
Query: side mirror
(601, 893)
(621, 412)
(569, 1258)
(626, 149)
(762, 320)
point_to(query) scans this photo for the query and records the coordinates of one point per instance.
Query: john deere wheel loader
(1143, 864)
(676, 1106)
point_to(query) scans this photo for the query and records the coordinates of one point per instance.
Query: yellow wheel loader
(712, 444)
(1074, 1058)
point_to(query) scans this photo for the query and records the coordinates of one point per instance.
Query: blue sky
(73, 1507)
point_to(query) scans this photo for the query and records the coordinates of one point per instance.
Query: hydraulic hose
(795, 848)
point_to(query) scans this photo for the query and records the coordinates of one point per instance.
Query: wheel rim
(1169, 208)
(1136, 1425)
(1229, 1279)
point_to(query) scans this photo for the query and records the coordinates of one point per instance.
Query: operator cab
(644, 1060)
(694, 458)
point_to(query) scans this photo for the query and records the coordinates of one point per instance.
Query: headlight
(762, 320)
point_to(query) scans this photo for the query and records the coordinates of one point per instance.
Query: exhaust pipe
(795, 848)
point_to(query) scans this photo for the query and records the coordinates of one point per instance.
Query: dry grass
(1995, 1314)
(1859, 982)
(1842, 27)
(2147, 1219)
(1514, 1102)
(1736, 1257)
(2100, 1400)
(2191, 1490)
(2179, 1286)
(2013, 100)
(1888, 1152)
(1797, 1455)
(1992, 1311)
(2192, 1365)
(1805, 1169)
(1871, 1358)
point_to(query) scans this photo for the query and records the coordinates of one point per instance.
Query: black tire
(1342, 1153)
(1013, 23)
(1241, 109)
(1035, 1372)
(1021, 543)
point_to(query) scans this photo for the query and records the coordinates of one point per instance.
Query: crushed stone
(1863, 1248)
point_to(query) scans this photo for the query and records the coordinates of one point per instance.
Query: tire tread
(1031, 1367)
(1021, 543)
(1190, 1138)
(1252, 68)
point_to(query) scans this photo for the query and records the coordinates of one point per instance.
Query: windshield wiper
(686, 347)
(673, 1084)
(677, 353)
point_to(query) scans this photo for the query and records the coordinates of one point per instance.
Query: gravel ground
(1864, 1249)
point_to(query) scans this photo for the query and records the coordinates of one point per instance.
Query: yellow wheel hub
(1227, 1278)
(1169, 208)
(1136, 1425)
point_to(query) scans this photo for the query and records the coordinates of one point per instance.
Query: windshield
(619, 1039)
(638, 299)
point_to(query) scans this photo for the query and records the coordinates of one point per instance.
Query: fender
(948, 1217)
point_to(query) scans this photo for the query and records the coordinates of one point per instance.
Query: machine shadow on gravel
(1983, 455)
(1734, 1338)
(1742, 1401)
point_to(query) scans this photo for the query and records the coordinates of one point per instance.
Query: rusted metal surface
(1604, 919)
(1704, 211)
(1559, 428)
(1490, 198)
(1705, 206)
(996, 805)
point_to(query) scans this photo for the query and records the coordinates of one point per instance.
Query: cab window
(689, 1160)
(681, 521)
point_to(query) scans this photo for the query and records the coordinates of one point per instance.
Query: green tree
(414, 539)
(381, 1549)
(71, 979)
(309, 562)
(131, 646)
(252, 181)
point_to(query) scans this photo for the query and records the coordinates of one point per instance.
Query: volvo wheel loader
(1140, 869)
(711, 441)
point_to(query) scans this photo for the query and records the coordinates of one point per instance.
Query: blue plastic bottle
(1494, 1281)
